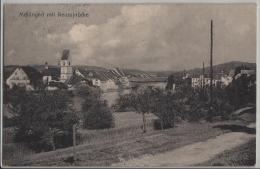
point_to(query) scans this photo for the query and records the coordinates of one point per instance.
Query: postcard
(129, 84)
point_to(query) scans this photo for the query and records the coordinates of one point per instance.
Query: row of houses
(66, 76)
(220, 79)
(204, 80)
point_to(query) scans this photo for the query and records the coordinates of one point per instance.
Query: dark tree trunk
(162, 124)
(53, 144)
(52, 140)
(144, 123)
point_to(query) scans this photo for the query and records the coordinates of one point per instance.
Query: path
(191, 154)
(242, 110)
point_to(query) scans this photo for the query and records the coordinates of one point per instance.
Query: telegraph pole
(211, 69)
(203, 81)
(74, 142)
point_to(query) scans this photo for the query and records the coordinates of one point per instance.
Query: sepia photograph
(129, 85)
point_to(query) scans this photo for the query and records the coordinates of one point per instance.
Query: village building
(124, 81)
(76, 82)
(105, 79)
(245, 72)
(25, 76)
(50, 74)
(203, 81)
(91, 75)
(108, 84)
(226, 80)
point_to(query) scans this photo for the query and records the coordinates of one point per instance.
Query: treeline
(44, 119)
(187, 103)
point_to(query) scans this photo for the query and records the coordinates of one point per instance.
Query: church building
(65, 66)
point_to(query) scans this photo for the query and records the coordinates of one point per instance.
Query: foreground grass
(106, 153)
(244, 155)
(15, 152)
(127, 125)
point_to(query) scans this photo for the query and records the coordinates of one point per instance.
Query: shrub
(99, 116)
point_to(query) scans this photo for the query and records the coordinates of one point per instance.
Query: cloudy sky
(147, 37)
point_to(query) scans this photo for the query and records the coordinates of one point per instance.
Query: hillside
(225, 67)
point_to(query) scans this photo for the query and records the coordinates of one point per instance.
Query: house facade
(24, 76)
(19, 78)
(202, 81)
(50, 74)
(107, 85)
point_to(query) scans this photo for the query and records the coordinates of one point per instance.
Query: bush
(123, 103)
(99, 116)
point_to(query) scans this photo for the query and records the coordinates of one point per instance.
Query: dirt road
(191, 154)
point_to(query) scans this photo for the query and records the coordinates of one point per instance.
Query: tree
(99, 116)
(165, 106)
(44, 119)
(96, 113)
(140, 100)
(242, 90)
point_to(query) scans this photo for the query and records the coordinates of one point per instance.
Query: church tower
(65, 66)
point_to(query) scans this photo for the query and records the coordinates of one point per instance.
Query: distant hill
(225, 67)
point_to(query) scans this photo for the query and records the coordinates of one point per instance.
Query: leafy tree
(90, 95)
(175, 79)
(99, 116)
(96, 113)
(166, 107)
(242, 90)
(123, 103)
(220, 103)
(43, 118)
(140, 100)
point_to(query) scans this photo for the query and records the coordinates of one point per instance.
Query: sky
(154, 37)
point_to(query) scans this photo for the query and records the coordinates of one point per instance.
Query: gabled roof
(86, 73)
(65, 54)
(75, 79)
(33, 74)
(102, 75)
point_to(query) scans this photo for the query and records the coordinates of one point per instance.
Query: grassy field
(244, 155)
(13, 152)
(107, 152)
(127, 125)
(127, 119)
(125, 141)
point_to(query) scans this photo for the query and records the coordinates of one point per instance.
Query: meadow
(123, 142)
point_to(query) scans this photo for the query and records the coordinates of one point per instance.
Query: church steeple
(65, 65)
(46, 65)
